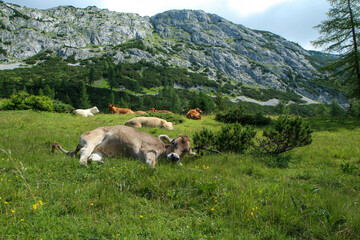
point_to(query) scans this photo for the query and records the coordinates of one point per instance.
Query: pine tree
(84, 97)
(339, 34)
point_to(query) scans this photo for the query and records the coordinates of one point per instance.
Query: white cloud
(149, 8)
(246, 8)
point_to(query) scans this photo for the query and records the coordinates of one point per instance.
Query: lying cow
(139, 122)
(116, 110)
(159, 111)
(87, 112)
(125, 141)
(194, 114)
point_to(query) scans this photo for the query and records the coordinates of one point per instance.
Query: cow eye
(173, 142)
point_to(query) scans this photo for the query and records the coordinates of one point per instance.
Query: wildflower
(253, 209)
(34, 207)
(0, 198)
(5, 203)
(141, 216)
(12, 211)
(41, 203)
(91, 204)
(256, 208)
(252, 214)
(212, 209)
(216, 177)
(22, 220)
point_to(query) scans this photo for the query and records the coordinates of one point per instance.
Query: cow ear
(165, 139)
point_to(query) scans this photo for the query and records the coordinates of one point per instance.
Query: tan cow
(139, 122)
(116, 110)
(194, 114)
(125, 141)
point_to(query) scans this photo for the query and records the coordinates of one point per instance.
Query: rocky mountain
(201, 42)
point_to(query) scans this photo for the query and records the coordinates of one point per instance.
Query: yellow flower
(21, 220)
(212, 209)
(41, 203)
(141, 216)
(91, 204)
(5, 202)
(252, 214)
(12, 211)
(0, 198)
(253, 209)
(256, 208)
(34, 207)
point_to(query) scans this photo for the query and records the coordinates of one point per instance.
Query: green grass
(230, 196)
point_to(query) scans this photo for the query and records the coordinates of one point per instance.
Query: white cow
(139, 122)
(87, 112)
(126, 141)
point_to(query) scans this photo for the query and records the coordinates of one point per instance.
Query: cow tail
(57, 145)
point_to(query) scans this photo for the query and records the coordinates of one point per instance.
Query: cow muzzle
(174, 157)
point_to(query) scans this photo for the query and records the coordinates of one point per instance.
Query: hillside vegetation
(311, 192)
(221, 53)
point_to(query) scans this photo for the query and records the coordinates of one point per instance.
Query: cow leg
(150, 158)
(96, 157)
(85, 152)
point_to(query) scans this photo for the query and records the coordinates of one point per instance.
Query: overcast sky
(291, 19)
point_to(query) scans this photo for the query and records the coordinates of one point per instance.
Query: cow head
(198, 110)
(176, 148)
(94, 110)
(110, 107)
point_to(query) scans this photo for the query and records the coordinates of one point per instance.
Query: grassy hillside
(230, 196)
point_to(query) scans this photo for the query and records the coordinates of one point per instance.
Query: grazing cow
(194, 114)
(159, 111)
(139, 122)
(116, 110)
(87, 112)
(125, 141)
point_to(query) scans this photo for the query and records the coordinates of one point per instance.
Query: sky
(292, 19)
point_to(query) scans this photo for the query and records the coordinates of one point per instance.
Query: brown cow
(159, 111)
(116, 110)
(194, 114)
(126, 141)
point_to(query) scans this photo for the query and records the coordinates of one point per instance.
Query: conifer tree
(340, 34)
(83, 97)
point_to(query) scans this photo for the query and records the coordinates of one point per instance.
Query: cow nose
(174, 157)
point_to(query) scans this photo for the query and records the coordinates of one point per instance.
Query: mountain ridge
(201, 42)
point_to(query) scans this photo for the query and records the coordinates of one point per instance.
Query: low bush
(231, 138)
(239, 115)
(25, 101)
(288, 134)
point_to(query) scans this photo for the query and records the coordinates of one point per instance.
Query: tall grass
(229, 196)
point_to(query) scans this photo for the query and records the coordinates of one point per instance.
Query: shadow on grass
(319, 124)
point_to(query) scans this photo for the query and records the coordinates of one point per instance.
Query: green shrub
(231, 138)
(288, 134)
(24, 101)
(61, 107)
(238, 115)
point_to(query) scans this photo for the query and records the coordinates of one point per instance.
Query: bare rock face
(180, 38)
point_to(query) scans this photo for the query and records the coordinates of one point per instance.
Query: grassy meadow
(309, 193)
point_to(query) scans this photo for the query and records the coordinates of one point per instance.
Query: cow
(116, 110)
(87, 112)
(121, 140)
(139, 122)
(194, 114)
(159, 111)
